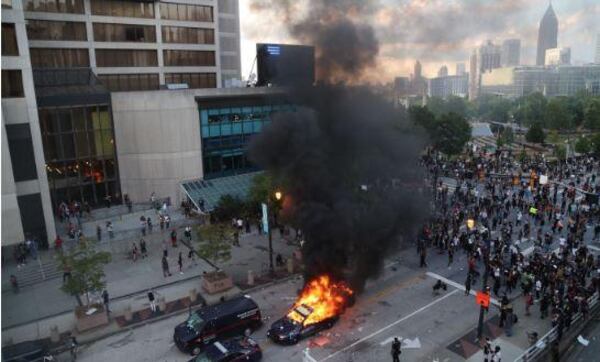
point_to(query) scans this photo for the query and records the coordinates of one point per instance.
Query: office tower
(511, 52)
(558, 56)
(460, 68)
(443, 71)
(547, 35)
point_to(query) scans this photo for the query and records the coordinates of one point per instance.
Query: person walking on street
(98, 233)
(143, 248)
(152, 301)
(149, 222)
(73, 346)
(165, 267)
(106, 300)
(192, 257)
(396, 346)
(468, 284)
(423, 255)
(143, 225)
(180, 263)
(109, 228)
(487, 350)
(134, 252)
(165, 248)
(14, 283)
(174, 238)
(167, 222)
(496, 356)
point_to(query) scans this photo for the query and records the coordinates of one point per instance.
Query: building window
(130, 82)
(189, 58)
(186, 12)
(20, 148)
(124, 33)
(12, 84)
(59, 58)
(126, 58)
(79, 148)
(178, 34)
(131, 9)
(193, 80)
(9, 39)
(6, 4)
(55, 30)
(55, 6)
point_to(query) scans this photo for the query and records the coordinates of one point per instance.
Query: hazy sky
(439, 32)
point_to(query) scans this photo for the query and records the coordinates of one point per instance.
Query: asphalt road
(399, 303)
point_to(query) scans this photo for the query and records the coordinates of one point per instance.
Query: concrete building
(485, 58)
(63, 62)
(26, 207)
(562, 80)
(547, 34)
(450, 85)
(511, 53)
(443, 71)
(460, 69)
(597, 59)
(558, 56)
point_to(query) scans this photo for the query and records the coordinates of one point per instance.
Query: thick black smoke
(348, 164)
(345, 45)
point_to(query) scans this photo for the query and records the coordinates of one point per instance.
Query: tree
(228, 207)
(451, 133)
(595, 144)
(532, 108)
(214, 241)
(583, 145)
(591, 113)
(560, 151)
(493, 108)
(557, 115)
(535, 134)
(423, 117)
(506, 137)
(86, 265)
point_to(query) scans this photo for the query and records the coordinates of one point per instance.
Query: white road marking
(389, 326)
(494, 301)
(593, 247)
(389, 340)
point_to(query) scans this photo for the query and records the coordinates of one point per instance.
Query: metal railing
(539, 348)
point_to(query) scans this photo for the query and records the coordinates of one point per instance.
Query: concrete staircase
(34, 272)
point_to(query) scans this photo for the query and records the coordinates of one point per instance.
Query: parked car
(209, 324)
(236, 349)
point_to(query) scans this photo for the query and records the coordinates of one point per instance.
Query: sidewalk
(30, 313)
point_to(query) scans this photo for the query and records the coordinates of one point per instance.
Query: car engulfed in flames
(318, 307)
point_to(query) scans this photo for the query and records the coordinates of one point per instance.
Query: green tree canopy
(214, 241)
(451, 133)
(531, 109)
(583, 145)
(535, 134)
(557, 115)
(494, 108)
(229, 207)
(595, 144)
(86, 265)
(591, 113)
(453, 104)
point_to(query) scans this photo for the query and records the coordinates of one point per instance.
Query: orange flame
(321, 298)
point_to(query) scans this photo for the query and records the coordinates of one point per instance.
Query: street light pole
(482, 308)
(269, 218)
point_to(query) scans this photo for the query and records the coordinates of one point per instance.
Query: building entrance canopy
(205, 194)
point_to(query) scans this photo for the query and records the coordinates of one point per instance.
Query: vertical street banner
(265, 218)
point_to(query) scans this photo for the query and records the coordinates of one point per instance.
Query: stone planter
(86, 322)
(216, 282)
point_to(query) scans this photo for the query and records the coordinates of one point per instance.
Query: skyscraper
(597, 61)
(511, 52)
(417, 71)
(460, 68)
(443, 71)
(558, 56)
(547, 35)
(485, 58)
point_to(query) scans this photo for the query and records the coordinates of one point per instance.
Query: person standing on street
(143, 248)
(180, 263)
(396, 345)
(73, 346)
(468, 284)
(165, 267)
(152, 301)
(174, 238)
(98, 233)
(106, 300)
(423, 255)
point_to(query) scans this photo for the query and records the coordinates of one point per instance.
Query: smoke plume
(348, 164)
(344, 44)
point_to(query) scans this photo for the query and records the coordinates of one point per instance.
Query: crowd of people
(523, 226)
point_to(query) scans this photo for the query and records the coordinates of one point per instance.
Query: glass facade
(55, 30)
(124, 33)
(55, 6)
(178, 34)
(189, 58)
(12, 84)
(129, 82)
(131, 9)
(59, 58)
(226, 132)
(9, 39)
(193, 80)
(186, 12)
(79, 149)
(20, 147)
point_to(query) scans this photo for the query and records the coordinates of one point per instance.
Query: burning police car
(291, 328)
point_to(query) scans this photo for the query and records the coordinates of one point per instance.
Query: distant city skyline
(442, 32)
